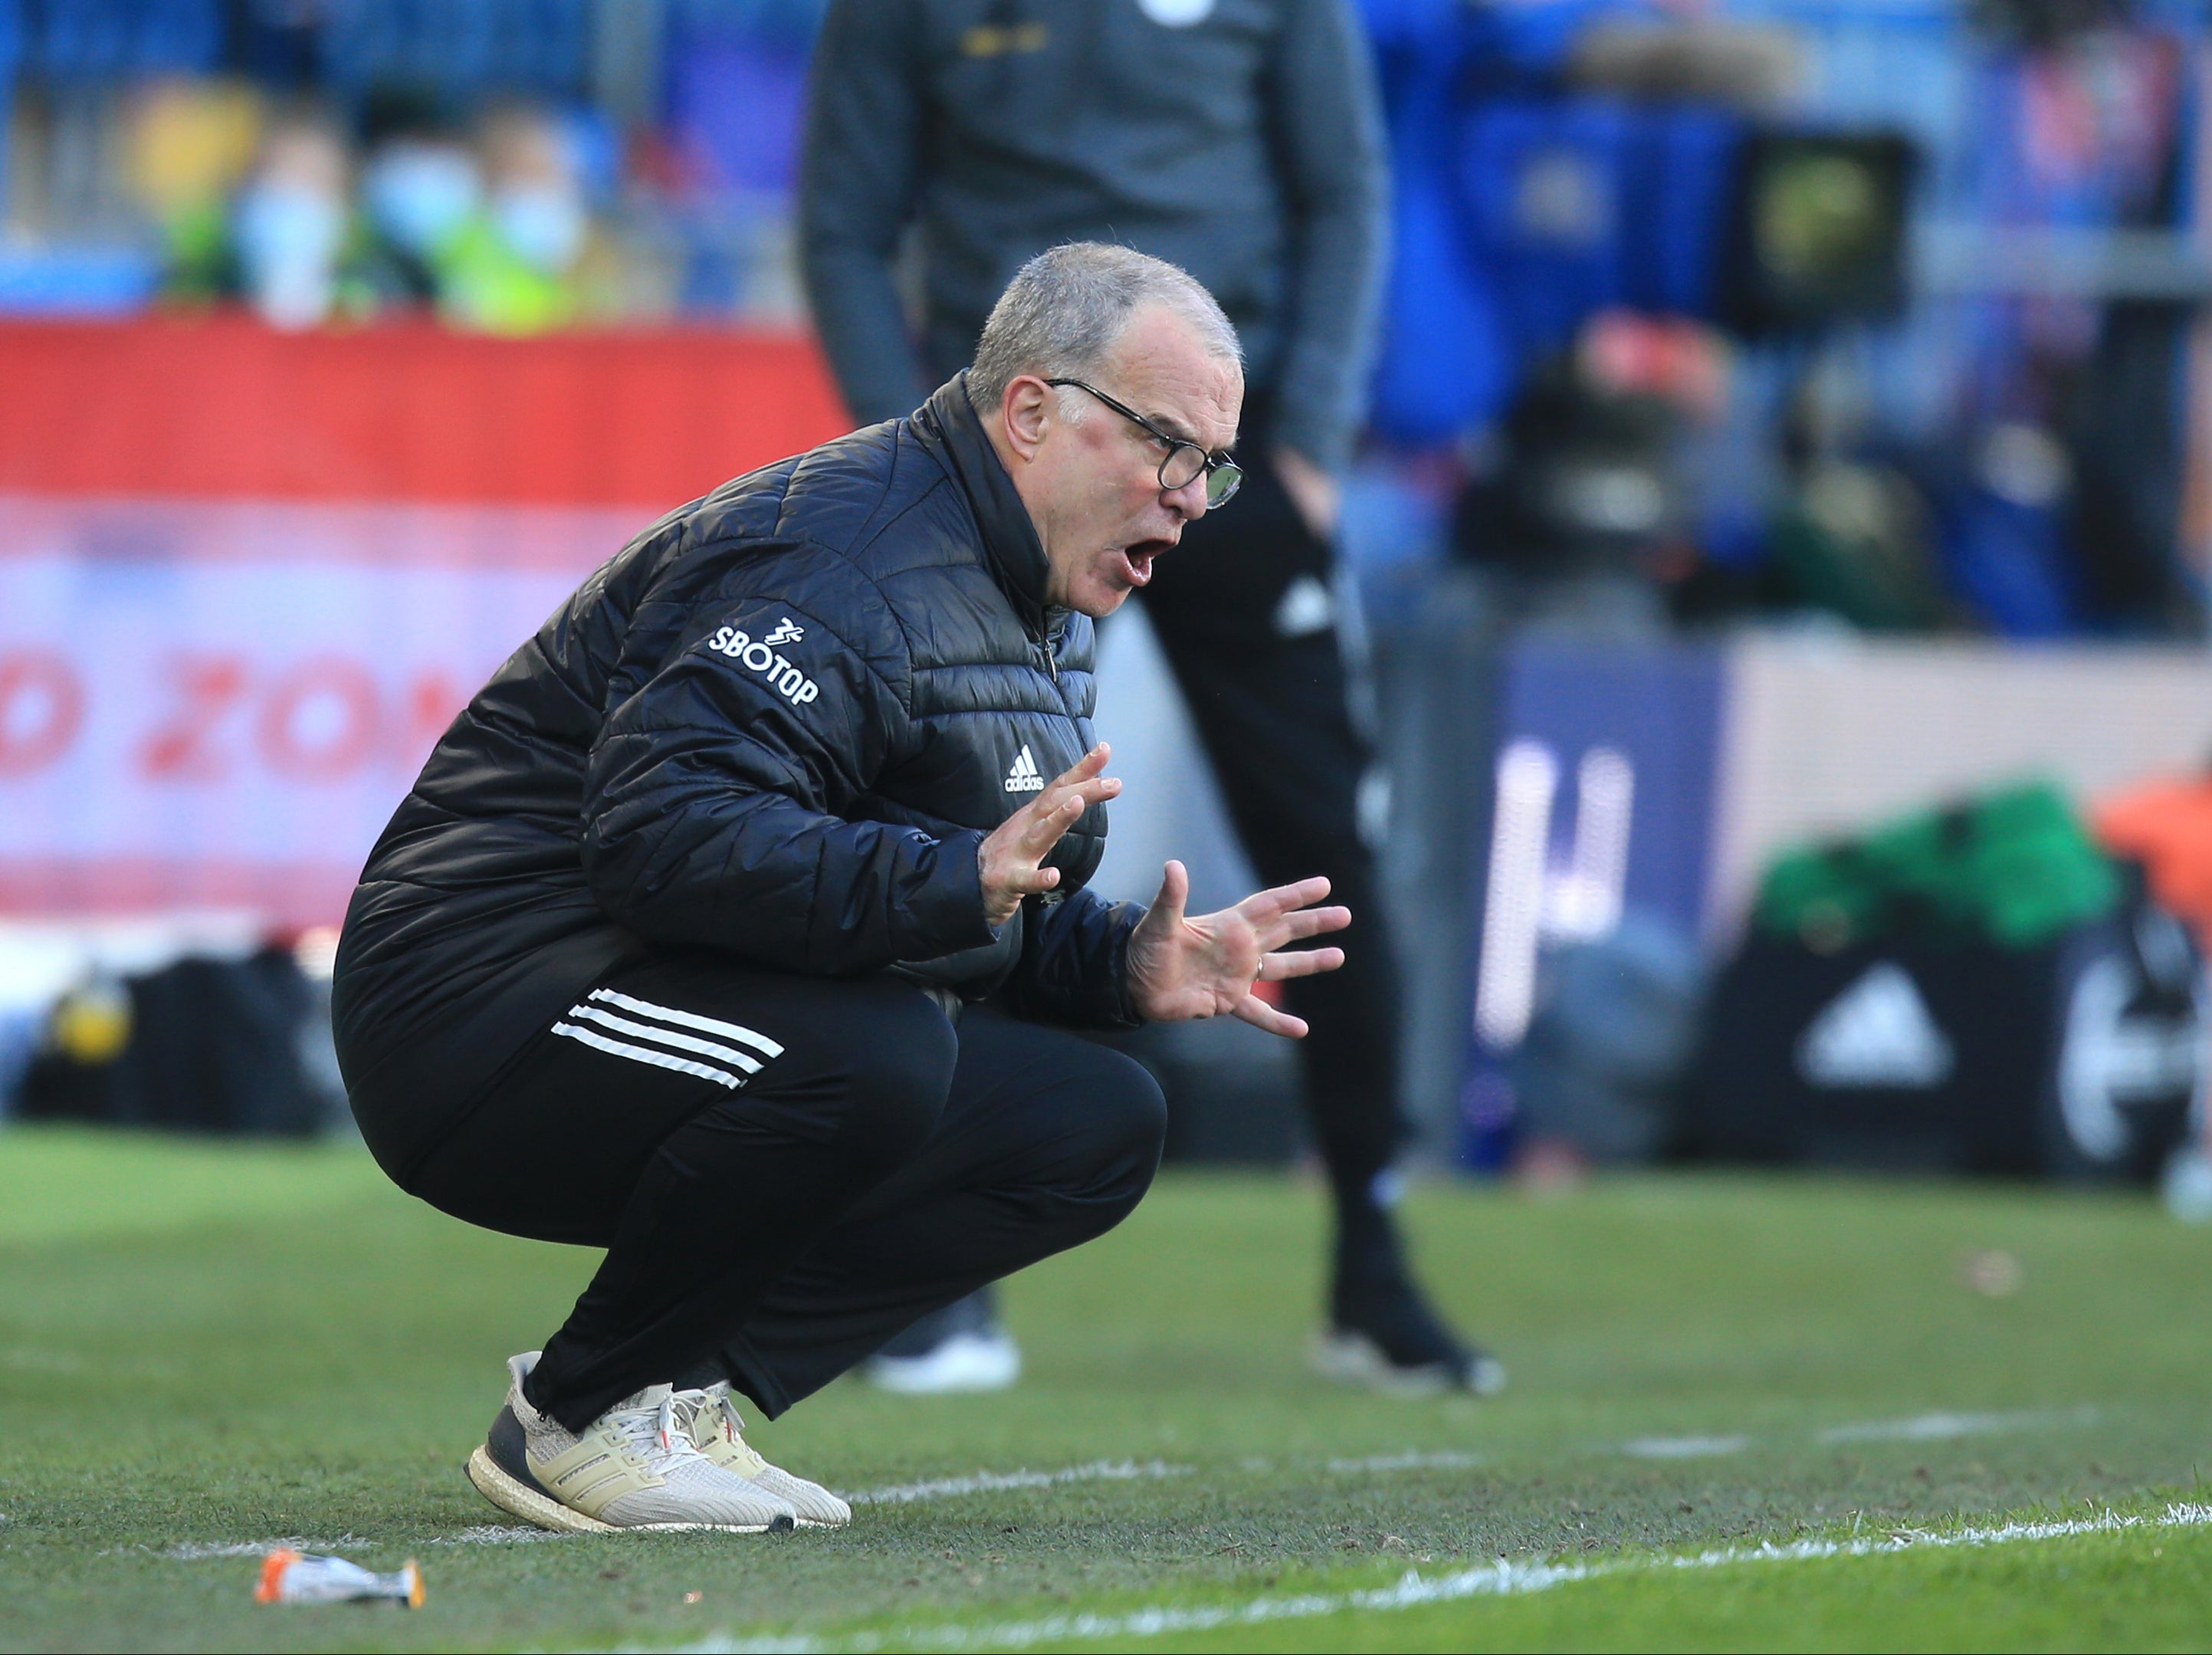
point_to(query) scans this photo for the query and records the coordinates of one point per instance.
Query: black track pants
(874, 1164)
(1274, 712)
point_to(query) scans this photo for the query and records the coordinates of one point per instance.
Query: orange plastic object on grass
(290, 1576)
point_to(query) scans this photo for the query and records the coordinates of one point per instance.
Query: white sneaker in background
(2186, 1185)
(1350, 1358)
(711, 1419)
(633, 1467)
(987, 1360)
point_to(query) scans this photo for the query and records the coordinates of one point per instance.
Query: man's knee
(1123, 1125)
(899, 1070)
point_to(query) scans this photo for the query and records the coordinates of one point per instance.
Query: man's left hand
(1183, 967)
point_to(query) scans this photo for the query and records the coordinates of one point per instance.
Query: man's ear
(1026, 410)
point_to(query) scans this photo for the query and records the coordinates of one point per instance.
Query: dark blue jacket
(777, 725)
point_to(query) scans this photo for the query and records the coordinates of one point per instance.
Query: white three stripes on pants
(597, 1024)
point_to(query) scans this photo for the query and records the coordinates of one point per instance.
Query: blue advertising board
(1601, 809)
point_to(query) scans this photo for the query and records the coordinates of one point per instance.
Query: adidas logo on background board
(1878, 1033)
(1024, 777)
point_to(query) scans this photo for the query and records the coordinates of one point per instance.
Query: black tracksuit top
(777, 725)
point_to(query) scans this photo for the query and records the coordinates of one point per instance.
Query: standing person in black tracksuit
(1239, 139)
(672, 947)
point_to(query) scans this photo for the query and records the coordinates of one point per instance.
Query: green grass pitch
(1757, 1412)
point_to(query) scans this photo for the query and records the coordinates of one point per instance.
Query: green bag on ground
(2014, 868)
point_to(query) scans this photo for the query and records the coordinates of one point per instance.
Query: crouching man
(675, 946)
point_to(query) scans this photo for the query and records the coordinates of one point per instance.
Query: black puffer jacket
(778, 724)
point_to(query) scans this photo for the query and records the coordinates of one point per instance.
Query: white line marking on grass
(1941, 1427)
(1684, 1448)
(905, 1493)
(499, 1533)
(199, 1551)
(1411, 1460)
(1502, 1579)
(196, 1551)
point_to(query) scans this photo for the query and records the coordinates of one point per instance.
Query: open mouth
(1139, 559)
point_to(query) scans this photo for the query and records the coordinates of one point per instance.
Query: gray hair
(1066, 309)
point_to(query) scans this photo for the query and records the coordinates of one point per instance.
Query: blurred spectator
(1581, 509)
(497, 235)
(190, 142)
(421, 191)
(292, 221)
(510, 266)
(1852, 535)
(2060, 497)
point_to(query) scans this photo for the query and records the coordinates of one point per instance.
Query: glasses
(1185, 462)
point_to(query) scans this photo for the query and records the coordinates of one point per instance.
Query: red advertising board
(247, 577)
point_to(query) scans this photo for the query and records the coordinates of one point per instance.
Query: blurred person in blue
(1239, 139)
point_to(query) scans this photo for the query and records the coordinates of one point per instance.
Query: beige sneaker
(633, 1467)
(716, 1431)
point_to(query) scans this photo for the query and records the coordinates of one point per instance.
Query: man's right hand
(1008, 859)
